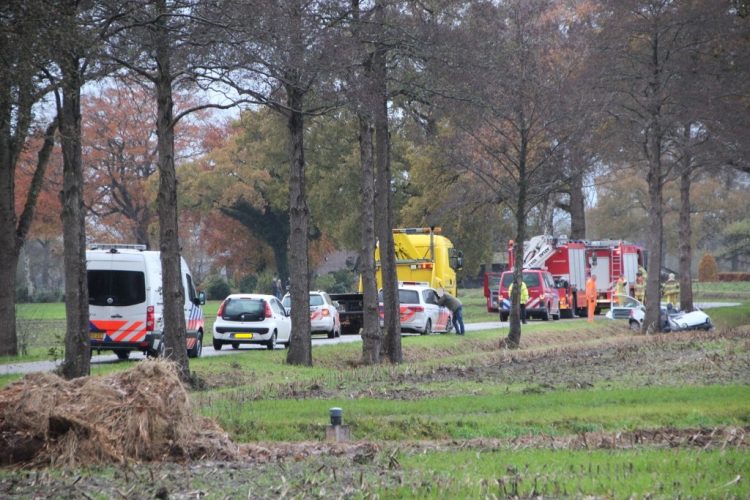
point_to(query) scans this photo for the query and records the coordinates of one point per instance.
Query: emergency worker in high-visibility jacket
(640, 288)
(523, 299)
(591, 294)
(621, 290)
(672, 291)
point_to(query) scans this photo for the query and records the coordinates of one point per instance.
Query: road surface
(108, 357)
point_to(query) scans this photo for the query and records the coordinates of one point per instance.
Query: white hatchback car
(245, 318)
(324, 316)
(673, 320)
(419, 310)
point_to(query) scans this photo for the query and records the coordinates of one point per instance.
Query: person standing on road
(591, 294)
(522, 301)
(672, 291)
(455, 307)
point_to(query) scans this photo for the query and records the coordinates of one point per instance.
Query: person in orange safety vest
(591, 294)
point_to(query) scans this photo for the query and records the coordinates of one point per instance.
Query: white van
(126, 305)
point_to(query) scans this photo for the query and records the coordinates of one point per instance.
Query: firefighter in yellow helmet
(640, 288)
(621, 289)
(671, 291)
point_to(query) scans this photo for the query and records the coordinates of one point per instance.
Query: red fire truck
(571, 262)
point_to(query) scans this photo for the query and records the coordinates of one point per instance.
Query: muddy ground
(321, 470)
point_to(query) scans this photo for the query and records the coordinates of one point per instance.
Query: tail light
(417, 309)
(150, 319)
(220, 312)
(325, 312)
(269, 313)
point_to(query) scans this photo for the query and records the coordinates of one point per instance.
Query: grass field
(581, 410)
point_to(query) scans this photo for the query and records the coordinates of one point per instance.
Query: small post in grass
(336, 431)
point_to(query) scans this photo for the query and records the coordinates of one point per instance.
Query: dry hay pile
(142, 414)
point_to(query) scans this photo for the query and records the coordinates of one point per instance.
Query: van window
(191, 290)
(116, 288)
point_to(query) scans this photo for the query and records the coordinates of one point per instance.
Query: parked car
(673, 320)
(544, 301)
(245, 318)
(420, 312)
(324, 315)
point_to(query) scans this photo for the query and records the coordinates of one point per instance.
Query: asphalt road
(105, 358)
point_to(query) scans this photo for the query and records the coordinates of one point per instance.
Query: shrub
(216, 288)
(336, 282)
(734, 276)
(248, 283)
(707, 269)
(325, 283)
(46, 296)
(264, 282)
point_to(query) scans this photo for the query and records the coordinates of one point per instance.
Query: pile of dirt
(142, 414)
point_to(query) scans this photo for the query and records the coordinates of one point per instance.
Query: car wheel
(235, 345)
(197, 349)
(271, 344)
(449, 325)
(566, 313)
(332, 333)
(635, 326)
(122, 355)
(217, 345)
(158, 352)
(545, 314)
(427, 328)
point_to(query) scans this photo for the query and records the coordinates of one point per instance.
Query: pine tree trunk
(77, 359)
(300, 349)
(8, 265)
(686, 248)
(513, 339)
(175, 337)
(577, 208)
(652, 321)
(383, 205)
(372, 340)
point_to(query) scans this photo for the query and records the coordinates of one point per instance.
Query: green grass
(255, 396)
(644, 473)
(494, 414)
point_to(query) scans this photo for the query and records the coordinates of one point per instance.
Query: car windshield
(316, 300)
(531, 279)
(625, 301)
(236, 307)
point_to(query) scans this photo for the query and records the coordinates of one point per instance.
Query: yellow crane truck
(423, 255)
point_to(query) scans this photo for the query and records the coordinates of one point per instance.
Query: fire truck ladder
(616, 267)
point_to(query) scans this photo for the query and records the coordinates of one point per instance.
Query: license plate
(97, 335)
(243, 335)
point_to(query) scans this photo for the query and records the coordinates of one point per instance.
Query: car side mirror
(200, 300)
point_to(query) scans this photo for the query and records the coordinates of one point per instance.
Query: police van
(126, 304)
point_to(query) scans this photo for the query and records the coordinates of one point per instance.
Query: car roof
(235, 296)
(414, 287)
